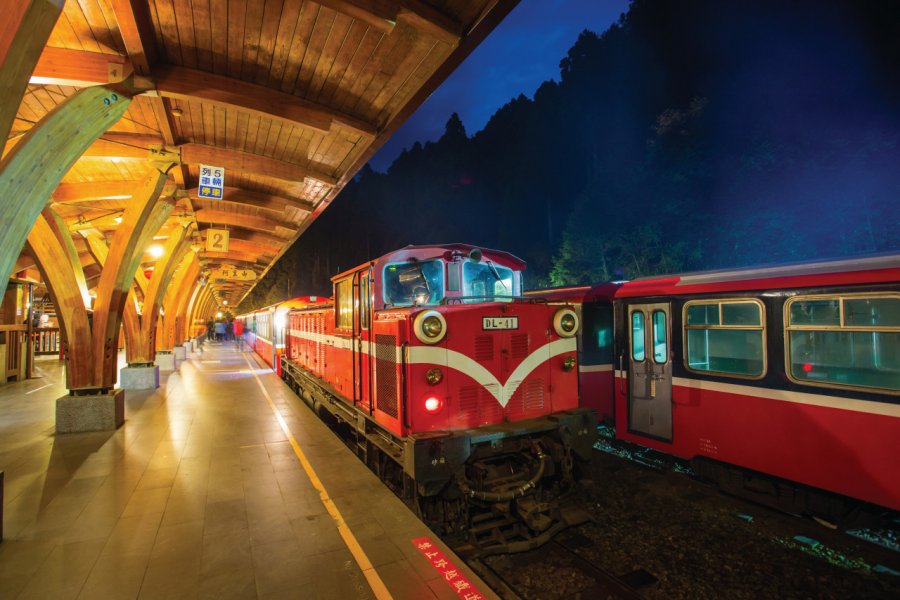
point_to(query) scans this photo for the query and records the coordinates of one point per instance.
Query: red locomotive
(459, 392)
(760, 377)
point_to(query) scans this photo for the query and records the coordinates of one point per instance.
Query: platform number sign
(212, 182)
(217, 240)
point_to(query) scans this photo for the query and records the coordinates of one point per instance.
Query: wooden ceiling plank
(268, 33)
(179, 82)
(232, 20)
(287, 24)
(82, 28)
(168, 29)
(314, 51)
(337, 36)
(253, 19)
(136, 29)
(298, 45)
(351, 43)
(184, 21)
(218, 12)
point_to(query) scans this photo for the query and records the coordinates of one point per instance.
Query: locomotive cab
(429, 276)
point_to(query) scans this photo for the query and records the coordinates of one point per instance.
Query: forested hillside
(691, 135)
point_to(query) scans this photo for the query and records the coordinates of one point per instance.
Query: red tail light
(433, 404)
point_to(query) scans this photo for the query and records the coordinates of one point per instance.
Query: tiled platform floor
(198, 495)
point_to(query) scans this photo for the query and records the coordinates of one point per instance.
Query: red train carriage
(454, 388)
(594, 306)
(789, 371)
(264, 329)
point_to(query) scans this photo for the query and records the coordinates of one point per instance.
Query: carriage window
(485, 281)
(637, 336)
(725, 337)
(597, 335)
(343, 301)
(660, 332)
(855, 343)
(414, 282)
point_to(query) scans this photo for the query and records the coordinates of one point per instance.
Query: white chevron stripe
(464, 364)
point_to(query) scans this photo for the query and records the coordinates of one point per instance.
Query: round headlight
(565, 322)
(430, 327)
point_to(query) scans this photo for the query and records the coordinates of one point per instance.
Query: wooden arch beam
(34, 167)
(131, 320)
(189, 84)
(236, 160)
(141, 221)
(255, 223)
(179, 292)
(258, 199)
(24, 31)
(176, 247)
(58, 272)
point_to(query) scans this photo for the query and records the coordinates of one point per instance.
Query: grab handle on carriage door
(622, 373)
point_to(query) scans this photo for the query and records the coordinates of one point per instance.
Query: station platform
(221, 484)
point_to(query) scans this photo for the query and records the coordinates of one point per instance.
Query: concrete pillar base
(188, 348)
(102, 412)
(179, 353)
(165, 360)
(139, 378)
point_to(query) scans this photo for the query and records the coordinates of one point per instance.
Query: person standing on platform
(229, 331)
(210, 329)
(220, 331)
(239, 334)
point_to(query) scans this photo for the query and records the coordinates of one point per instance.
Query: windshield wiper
(495, 273)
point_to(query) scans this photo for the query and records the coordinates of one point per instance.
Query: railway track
(510, 575)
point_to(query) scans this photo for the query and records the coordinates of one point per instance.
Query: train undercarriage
(492, 490)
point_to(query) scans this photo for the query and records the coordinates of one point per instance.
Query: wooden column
(34, 167)
(141, 220)
(59, 273)
(24, 30)
(176, 247)
(131, 320)
(176, 300)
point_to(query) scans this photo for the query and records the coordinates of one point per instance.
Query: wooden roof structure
(290, 97)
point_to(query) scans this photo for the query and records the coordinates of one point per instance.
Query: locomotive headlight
(565, 322)
(568, 363)
(434, 376)
(430, 327)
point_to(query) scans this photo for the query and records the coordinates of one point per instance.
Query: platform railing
(46, 341)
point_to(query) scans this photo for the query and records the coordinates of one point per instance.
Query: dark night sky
(520, 54)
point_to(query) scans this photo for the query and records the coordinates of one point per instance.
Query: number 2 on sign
(217, 240)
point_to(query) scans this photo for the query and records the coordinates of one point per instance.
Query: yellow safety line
(378, 588)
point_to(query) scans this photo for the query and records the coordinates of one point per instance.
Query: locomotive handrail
(461, 299)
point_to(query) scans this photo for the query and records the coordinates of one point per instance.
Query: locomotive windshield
(414, 282)
(485, 281)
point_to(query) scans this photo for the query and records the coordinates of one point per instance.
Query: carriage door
(650, 372)
(362, 305)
